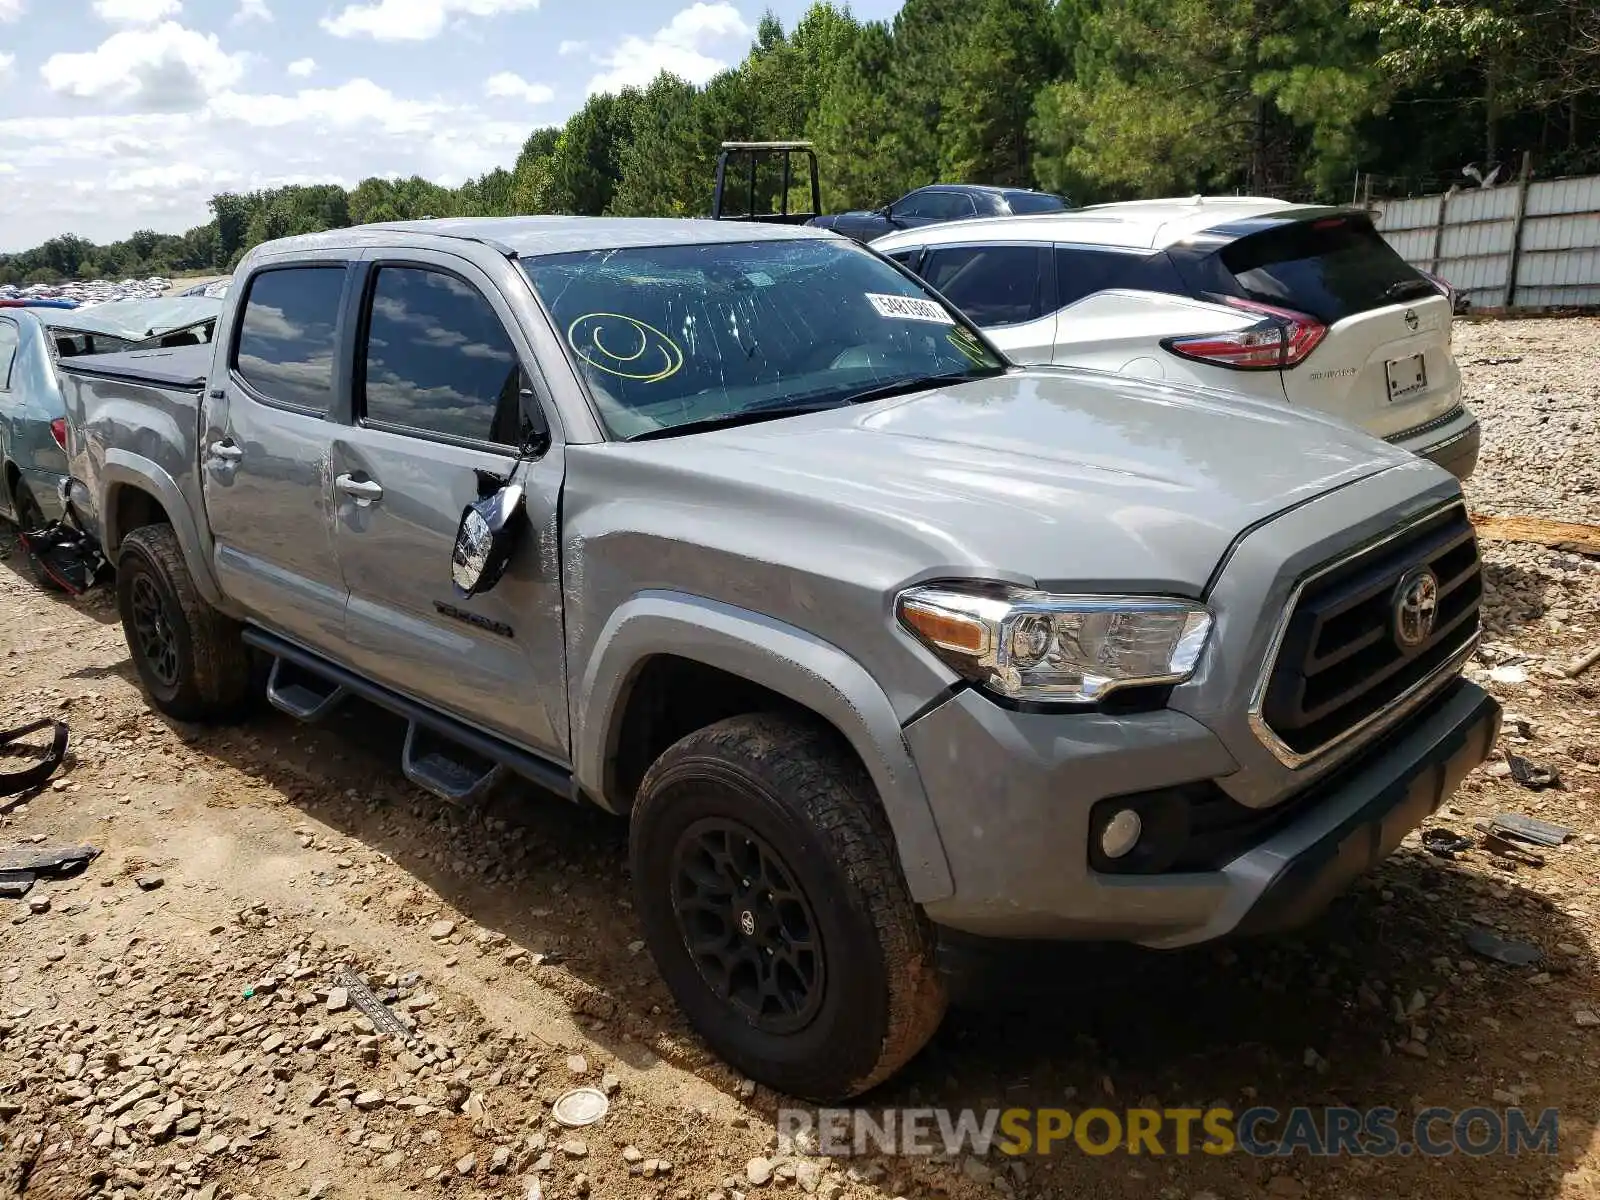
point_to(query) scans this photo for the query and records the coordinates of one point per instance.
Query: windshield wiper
(1408, 287)
(770, 411)
(919, 382)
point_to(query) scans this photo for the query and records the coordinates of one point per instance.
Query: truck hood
(1052, 476)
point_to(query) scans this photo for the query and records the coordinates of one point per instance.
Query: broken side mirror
(486, 539)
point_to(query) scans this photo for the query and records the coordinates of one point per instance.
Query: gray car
(742, 534)
(33, 427)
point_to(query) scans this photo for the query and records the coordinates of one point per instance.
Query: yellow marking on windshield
(651, 341)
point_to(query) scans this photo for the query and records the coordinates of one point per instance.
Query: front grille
(1339, 661)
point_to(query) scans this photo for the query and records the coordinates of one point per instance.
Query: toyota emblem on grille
(1412, 320)
(1416, 607)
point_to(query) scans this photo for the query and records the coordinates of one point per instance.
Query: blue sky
(129, 114)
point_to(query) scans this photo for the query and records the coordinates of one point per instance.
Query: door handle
(362, 491)
(226, 451)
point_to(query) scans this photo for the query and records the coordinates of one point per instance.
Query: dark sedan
(940, 202)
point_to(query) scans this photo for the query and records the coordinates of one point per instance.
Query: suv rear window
(1331, 268)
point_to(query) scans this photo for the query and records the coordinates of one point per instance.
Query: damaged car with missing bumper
(743, 534)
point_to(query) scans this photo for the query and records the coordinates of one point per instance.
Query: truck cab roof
(528, 237)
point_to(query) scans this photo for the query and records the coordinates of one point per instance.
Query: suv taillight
(1282, 339)
(58, 430)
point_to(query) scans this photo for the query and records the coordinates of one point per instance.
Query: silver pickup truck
(743, 533)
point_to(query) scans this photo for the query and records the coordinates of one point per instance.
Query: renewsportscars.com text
(1263, 1132)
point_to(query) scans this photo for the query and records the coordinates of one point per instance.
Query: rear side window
(8, 352)
(907, 258)
(1331, 268)
(1035, 202)
(938, 206)
(439, 360)
(1082, 271)
(287, 334)
(993, 285)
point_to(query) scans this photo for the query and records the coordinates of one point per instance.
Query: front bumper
(1012, 793)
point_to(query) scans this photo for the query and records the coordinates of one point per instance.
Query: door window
(993, 285)
(936, 206)
(287, 335)
(437, 359)
(8, 352)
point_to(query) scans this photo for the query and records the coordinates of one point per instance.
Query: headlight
(1029, 645)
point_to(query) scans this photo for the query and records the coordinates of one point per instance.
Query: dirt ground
(170, 1025)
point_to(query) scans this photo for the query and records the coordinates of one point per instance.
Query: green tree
(586, 163)
(1006, 56)
(1196, 95)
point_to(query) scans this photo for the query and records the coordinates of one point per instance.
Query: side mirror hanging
(485, 540)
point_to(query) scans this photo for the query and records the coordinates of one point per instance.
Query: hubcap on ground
(157, 643)
(747, 925)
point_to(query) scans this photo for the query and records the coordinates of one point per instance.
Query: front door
(265, 452)
(438, 404)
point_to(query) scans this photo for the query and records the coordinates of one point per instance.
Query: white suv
(1275, 300)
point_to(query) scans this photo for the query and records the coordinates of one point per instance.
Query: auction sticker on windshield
(909, 308)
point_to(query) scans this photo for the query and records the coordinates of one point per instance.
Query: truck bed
(137, 405)
(182, 367)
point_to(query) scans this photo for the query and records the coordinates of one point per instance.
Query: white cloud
(252, 10)
(106, 174)
(510, 86)
(163, 69)
(359, 102)
(571, 47)
(11, 10)
(7, 62)
(412, 20)
(136, 12)
(679, 47)
(301, 67)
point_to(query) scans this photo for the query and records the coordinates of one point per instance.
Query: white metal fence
(1524, 244)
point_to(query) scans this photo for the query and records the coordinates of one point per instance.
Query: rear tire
(191, 658)
(760, 840)
(30, 519)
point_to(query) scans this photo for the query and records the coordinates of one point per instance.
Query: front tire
(764, 873)
(191, 659)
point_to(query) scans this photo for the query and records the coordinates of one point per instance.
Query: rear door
(1005, 289)
(437, 418)
(266, 446)
(1385, 363)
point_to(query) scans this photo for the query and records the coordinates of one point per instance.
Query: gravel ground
(171, 1025)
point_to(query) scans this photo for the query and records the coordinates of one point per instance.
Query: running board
(297, 693)
(435, 765)
(467, 742)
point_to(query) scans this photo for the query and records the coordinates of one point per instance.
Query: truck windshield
(699, 335)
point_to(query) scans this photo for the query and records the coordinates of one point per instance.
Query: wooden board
(1558, 535)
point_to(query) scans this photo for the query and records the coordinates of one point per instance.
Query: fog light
(1121, 833)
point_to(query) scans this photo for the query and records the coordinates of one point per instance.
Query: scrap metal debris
(1528, 829)
(1534, 776)
(1571, 536)
(382, 1017)
(1505, 360)
(21, 867)
(1513, 954)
